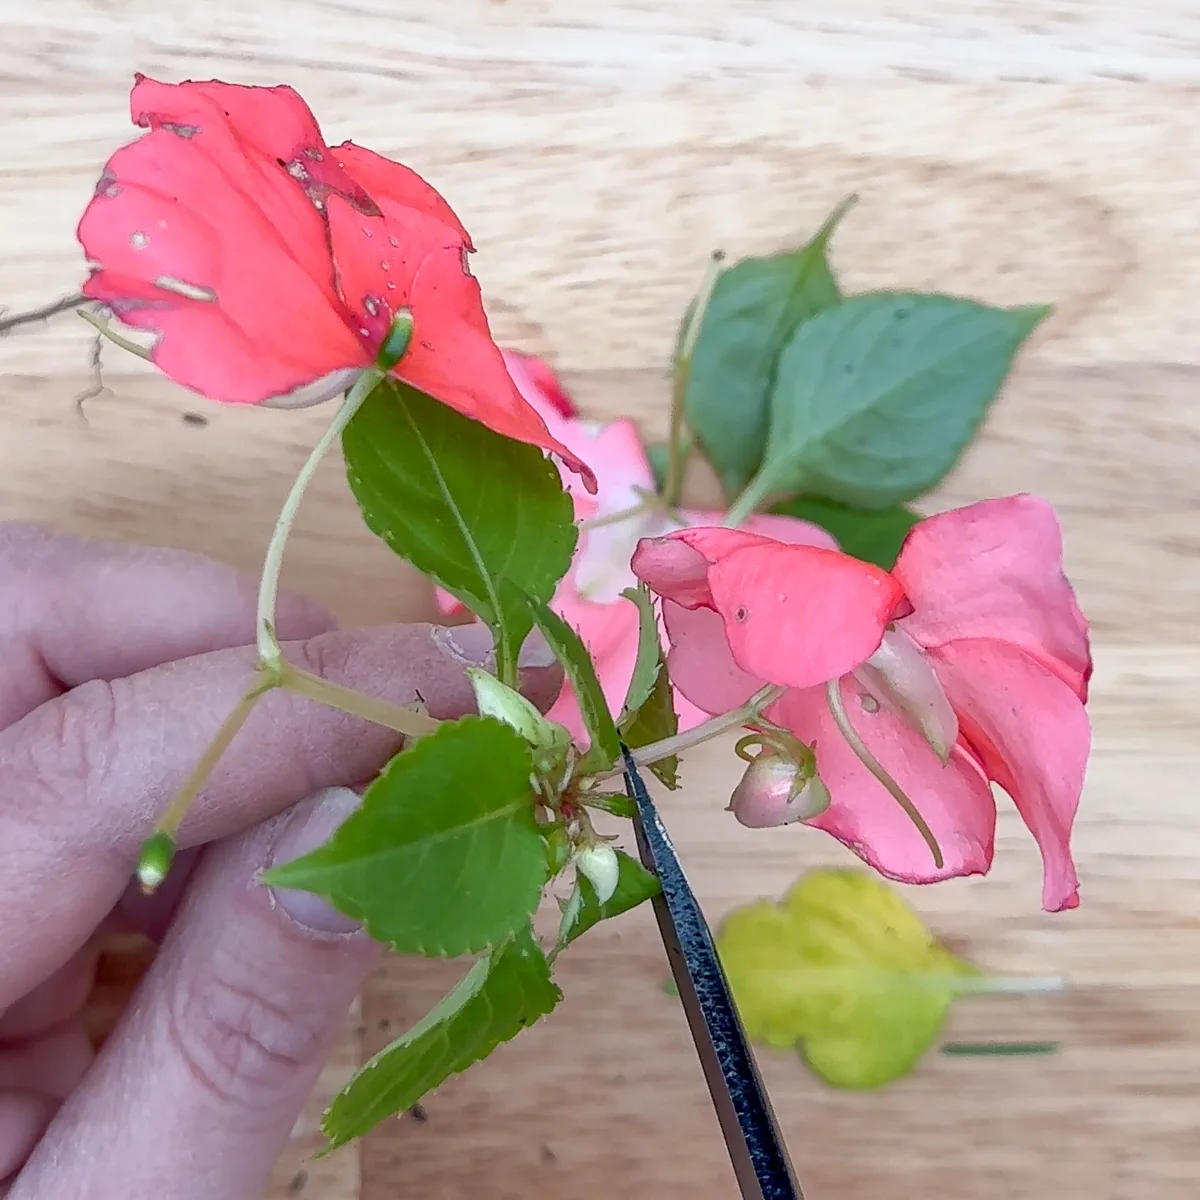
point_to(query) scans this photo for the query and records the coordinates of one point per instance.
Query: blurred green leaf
(843, 970)
(755, 308)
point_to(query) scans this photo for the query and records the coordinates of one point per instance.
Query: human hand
(117, 663)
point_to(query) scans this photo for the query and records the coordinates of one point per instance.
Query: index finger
(75, 609)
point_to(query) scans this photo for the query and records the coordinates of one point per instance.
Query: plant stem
(841, 718)
(714, 727)
(268, 588)
(676, 453)
(158, 849)
(105, 329)
(42, 313)
(391, 716)
(755, 492)
(615, 518)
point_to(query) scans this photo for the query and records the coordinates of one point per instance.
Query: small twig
(44, 313)
(96, 387)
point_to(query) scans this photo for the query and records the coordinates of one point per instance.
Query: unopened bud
(549, 740)
(900, 676)
(776, 790)
(600, 865)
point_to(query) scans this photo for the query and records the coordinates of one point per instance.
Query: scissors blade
(759, 1156)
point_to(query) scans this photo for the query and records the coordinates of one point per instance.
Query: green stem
(676, 450)
(841, 718)
(391, 716)
(714, 727)
(104, 328)
(268, 588)
(756, 491)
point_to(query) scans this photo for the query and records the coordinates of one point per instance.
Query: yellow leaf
(843, 970)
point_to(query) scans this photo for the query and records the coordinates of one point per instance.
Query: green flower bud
(600, 865)
(550, 741)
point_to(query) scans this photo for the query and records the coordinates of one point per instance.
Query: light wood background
(1034, 151)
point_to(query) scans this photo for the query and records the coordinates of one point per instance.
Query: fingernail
(311, 824)
(474, 646)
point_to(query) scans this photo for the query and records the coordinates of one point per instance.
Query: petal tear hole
(181, 287)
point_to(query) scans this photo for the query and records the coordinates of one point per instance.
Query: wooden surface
(598, 151)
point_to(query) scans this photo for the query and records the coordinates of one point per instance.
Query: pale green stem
(676, 451)
(714, 727)
(391, 716)
(615, 518)
(841, 717)
(104, 328)
(756, 491)
(268, 588)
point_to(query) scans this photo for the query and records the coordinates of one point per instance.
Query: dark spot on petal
(741, 614)
(181, 130)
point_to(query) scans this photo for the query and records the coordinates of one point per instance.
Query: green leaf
(648, 663)
(844, 970)
(506, 991)
(875, 399)
(634, 885)
(488, 534)
(605, 746)
(873, 534)
(654, 720)
(755, 308)
(617, 803)
(444, 857)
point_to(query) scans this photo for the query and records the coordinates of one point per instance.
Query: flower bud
(776, 790)
(601, 867)
(900, 676)
(549, 740)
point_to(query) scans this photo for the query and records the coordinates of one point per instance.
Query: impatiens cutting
(878, 671)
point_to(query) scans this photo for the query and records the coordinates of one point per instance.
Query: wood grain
(598, 152)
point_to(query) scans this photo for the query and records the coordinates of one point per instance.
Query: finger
(23, 1118)
(84, 777)
(53, 1063)
(56, 999)
(225, 1038)
(73, 610)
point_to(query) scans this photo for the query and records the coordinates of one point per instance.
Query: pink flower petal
(539, 384)
(700, 662)
(995, 570)
(799, 615)
(955, 800)
(790, 530)
(610, 633)
(1033, 736)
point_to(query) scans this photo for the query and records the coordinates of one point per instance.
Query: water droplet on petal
(363, 332)
(869, 704)
(371, 305)
(391, 285)
(366, 231)
(313, 153)
(387, 266)
(393, 242)
(139, 240)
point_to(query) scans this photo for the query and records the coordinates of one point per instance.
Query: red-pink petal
(1033, 735)
(790, 530)
(995, 570)
(454, 359)
(799, 615)
(395, 187)
(955, 800)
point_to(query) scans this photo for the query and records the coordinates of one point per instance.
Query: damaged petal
(899, 675)
(181, 287)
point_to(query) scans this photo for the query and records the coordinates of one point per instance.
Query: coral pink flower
(269, 266)
(589, 598)
(971, 668)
